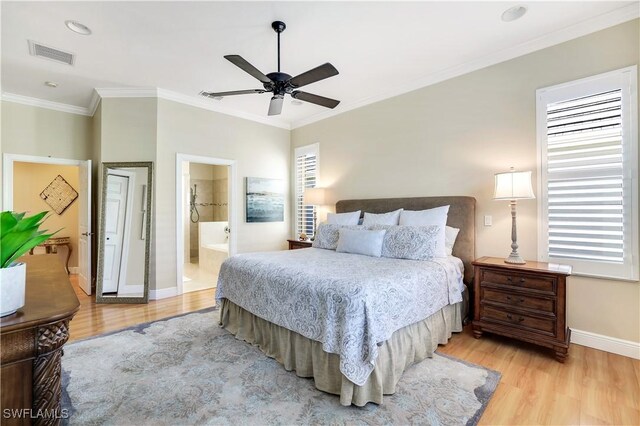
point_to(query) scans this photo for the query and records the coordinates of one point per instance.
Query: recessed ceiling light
(513, 13)
(296, 102)
(77, 27)
(51, 84)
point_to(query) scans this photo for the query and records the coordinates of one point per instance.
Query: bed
(353, 323)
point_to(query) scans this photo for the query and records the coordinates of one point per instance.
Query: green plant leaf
(31, 221)
(19, 235)
(12, 241)
(7, 222)
(25, 248)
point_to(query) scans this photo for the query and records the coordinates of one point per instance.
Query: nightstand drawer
(517, 300)
(297, 244)
(538, 283)
(548, 326)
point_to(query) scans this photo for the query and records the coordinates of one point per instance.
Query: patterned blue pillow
(409, 242)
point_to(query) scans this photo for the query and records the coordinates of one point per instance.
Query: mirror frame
(147, 247)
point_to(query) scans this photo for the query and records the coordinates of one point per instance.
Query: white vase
(12, 288)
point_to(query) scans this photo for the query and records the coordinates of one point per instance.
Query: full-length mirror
(125, 233)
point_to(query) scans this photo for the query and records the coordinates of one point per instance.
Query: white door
(84, 225)
(115, 212)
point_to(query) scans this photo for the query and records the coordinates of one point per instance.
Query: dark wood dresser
(297, 244)
(525, 302)
(31, 349)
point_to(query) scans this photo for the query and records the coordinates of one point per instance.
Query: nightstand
(525, 302)
(297, 244)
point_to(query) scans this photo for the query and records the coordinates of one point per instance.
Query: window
(306, 174)
(588, 144)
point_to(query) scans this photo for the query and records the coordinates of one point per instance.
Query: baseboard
(163, 293)
(606, 343)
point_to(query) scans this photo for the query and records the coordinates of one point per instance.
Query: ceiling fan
(280, 83)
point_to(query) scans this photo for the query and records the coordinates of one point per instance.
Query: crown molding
(95, 101)
(56, 106)
(127, 92)
(580, 29)
(208, 104)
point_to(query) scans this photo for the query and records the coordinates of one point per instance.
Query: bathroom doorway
(205, 221)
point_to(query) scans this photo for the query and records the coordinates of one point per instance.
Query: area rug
(187, 370)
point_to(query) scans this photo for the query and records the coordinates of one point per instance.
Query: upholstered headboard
(462, 215)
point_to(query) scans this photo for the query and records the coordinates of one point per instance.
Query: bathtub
(214, 245)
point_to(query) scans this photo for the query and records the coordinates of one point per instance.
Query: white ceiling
(380, 48)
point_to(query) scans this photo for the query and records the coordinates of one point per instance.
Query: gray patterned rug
(187, 370)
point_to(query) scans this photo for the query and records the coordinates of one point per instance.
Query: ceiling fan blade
(275, 106)
(234, 92)
(315, 99)
(241, 63)
(318, 73)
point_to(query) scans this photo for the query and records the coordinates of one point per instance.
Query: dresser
(297, 244)
(525, 302)
(32, 341)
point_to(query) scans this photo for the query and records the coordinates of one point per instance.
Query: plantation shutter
(306, 165)
(585, 178)
(587, 133)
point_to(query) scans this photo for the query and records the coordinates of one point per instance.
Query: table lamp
(513, 186)
(314, 197)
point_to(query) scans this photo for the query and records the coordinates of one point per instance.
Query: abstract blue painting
(265, 200)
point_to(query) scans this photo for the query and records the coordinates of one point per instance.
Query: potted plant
(18, 235)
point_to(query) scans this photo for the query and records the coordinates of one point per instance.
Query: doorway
(204, 221)
(30, 184)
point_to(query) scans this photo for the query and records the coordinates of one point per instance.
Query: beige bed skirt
(297, 353)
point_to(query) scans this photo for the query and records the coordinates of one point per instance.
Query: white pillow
(350, 218)
(450, 235)
(368, 243)
(391, 218)
(436, 216)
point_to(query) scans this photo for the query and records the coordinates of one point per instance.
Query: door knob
(87, 234)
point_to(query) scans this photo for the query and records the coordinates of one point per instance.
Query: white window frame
(625, 79)
(313, 148)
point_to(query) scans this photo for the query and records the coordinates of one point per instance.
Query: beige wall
(259, 150)
(128, 132)
(29, 181)
(450, 138)
(43, 132)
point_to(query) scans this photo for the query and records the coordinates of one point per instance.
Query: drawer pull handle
(520, 319)
(509, 279)
(522, 280)
(521, 300)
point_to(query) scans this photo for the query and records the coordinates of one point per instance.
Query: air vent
(42, 51)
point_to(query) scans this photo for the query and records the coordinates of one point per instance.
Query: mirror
(124, 236)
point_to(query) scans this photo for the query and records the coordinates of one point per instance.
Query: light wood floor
(592, 387)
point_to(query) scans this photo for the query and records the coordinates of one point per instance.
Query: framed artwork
(265, 200)
(59, 194)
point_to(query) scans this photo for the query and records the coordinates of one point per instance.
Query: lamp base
(515, 259)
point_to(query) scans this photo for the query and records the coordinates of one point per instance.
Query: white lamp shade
(513, 185)
(313, 196)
